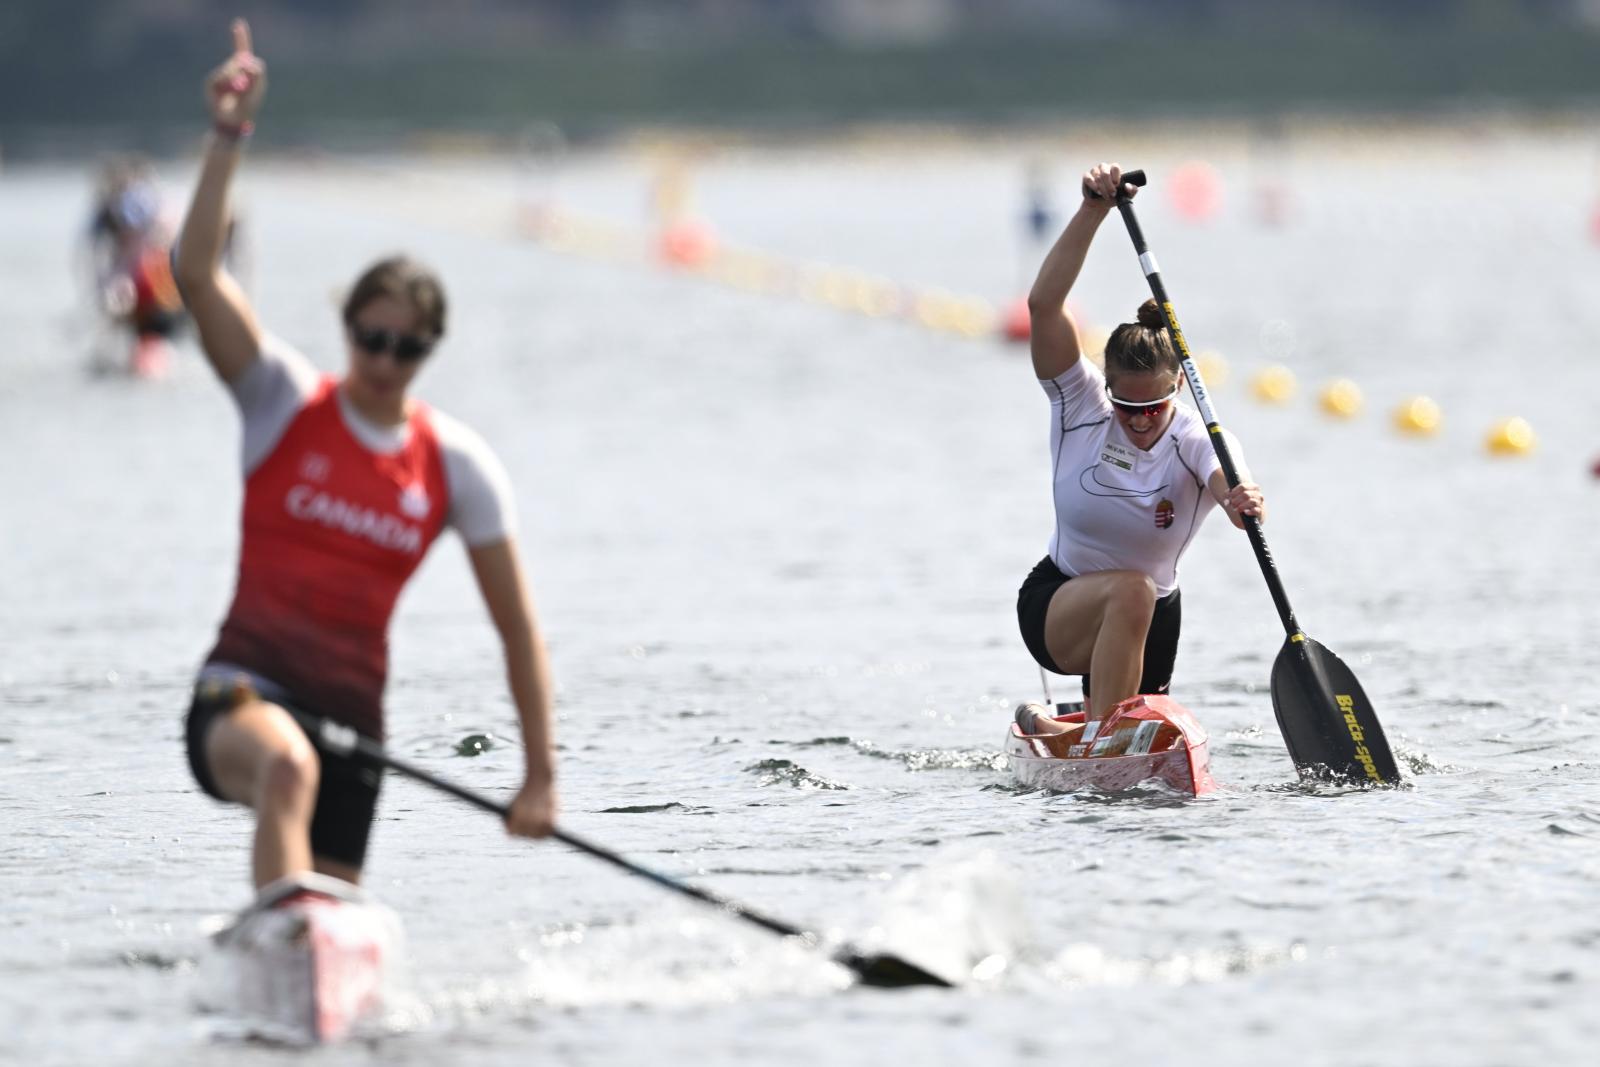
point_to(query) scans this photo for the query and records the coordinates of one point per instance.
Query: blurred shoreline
(483, 77)
(1414, 133)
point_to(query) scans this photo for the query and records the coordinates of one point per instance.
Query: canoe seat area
(1057, 745)
(1115, 743)
(1145, 737)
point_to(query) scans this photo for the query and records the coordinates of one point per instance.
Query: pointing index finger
(241, 37)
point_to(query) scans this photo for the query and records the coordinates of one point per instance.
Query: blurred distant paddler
(128, 249)
(348, 480)
(1134, 475)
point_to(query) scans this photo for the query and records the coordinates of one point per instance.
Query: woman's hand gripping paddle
(883, 971)
(1328, 723)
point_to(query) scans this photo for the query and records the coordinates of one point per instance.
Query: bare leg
(1097, 623)
(1119, 649)
(259, 757)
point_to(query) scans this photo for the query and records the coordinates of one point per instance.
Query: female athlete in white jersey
(1134, 474)
(348, 480)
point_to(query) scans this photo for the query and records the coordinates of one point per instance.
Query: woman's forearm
(1061, 266)
(205, 228)
(499, 575)
(528, 672)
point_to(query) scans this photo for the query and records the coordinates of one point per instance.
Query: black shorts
(1160, 645)
(347, 796)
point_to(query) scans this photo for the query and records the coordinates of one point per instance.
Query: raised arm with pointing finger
(348, 479)
(229, 332)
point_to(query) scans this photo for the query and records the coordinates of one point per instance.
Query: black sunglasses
(406, 347)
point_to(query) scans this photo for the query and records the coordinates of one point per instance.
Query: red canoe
(1144, 738)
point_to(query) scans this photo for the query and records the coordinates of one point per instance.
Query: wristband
(234, 134)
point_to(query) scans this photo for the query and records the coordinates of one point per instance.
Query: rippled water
(775, 548)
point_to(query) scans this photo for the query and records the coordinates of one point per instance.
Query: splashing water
(782, 771)
(962, 918)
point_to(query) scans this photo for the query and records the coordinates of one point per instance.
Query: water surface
(775, 548)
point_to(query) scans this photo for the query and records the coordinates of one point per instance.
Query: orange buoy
(1196, 191)
(687, 244)
(1017, 324)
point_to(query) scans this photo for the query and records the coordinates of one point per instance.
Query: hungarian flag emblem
(1164, 512)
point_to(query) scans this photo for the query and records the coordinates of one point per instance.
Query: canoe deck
(307, 962)
(1144, 738)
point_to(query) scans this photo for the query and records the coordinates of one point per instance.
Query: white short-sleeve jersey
(1117, 507)
(278, 384)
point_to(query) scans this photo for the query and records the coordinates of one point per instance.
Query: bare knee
(1130, 598)
(288, 779)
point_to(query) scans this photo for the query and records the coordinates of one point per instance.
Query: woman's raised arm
(1054, 336)
(229, 332)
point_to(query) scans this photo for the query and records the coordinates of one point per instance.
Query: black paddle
(1328, 723)
(884, 971)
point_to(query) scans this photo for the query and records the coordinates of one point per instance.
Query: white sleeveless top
(1117, 507)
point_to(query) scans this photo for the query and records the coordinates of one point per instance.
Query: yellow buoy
(876, 297)
(672, 192)
(1212, 367)
(1419, 416)
(836, 288)
(1274, 385)
(974, 317)
(814, 282)
(1510, 437)
(1341, 398)
(937, 310)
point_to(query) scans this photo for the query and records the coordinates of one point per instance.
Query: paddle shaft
(336, 737)
(1202, 399)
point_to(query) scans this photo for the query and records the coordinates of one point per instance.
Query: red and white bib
(332, 530)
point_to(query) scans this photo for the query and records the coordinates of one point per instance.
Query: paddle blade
(1327, 721)
(890, 972)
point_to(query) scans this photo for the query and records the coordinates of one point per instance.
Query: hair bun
(1150, 315)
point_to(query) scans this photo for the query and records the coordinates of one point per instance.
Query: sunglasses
(406, 348)
(1148, 408)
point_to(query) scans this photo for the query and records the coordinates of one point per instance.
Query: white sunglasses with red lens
(1148, 408)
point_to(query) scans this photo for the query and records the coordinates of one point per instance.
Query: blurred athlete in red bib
(348, 480)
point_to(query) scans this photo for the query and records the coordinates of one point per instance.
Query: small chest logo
(1164, 514)
(315, 467)
(1116, 455)
(414, 502)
